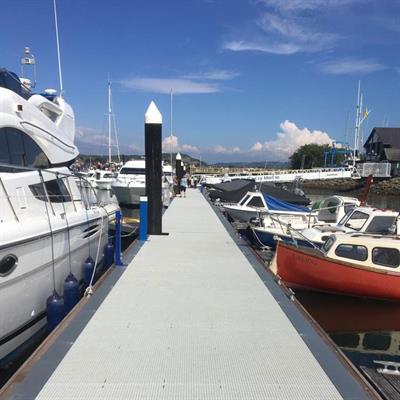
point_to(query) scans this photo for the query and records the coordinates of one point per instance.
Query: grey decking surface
(189, 319)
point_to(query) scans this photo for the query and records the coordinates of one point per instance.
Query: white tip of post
(178, 156)
(152, 116)
(143, 198)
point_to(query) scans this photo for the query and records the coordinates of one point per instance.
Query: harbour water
(365, 330)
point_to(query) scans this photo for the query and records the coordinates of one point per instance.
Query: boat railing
(290, 230)
(82, 198)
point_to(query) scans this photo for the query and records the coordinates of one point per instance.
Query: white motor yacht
(47, 230)
(103, 179)
(130, 183)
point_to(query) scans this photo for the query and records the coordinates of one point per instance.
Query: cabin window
(108, 176)
(56, 190)
(244, 200)
(17, 148)
(348, 207)
(256, 202)
(357, 220)
(328, 244)
(352, 252)
(386, 256)
(132, 171)
(382, 224)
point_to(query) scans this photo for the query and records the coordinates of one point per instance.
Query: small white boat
(257, 205)
(359, 219)
(103, 179)
(329, 213)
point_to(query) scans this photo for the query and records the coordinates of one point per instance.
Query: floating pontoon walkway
(193, 316)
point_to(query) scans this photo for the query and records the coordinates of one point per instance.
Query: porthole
(8, 264)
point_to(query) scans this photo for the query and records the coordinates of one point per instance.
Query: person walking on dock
(177, 189)
(183, 185)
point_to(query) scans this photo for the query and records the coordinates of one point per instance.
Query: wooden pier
(194, 315)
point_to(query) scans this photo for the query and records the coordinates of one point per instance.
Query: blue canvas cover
(274, 204)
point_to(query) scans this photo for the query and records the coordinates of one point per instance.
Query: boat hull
(26, 292)
(128, 195)
(302, 268)
(268, 238)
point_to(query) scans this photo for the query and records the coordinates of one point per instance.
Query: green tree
(308, 156)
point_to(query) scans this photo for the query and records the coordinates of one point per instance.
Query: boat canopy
(274, 204)
(10, 81)
(231, 191)
(283, 194)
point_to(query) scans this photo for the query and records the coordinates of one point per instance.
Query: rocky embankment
(385, 187)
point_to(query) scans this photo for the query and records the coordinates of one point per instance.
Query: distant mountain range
(94, 159)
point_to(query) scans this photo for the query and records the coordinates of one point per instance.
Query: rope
(89, 289)
(51, 231)
(68, 233)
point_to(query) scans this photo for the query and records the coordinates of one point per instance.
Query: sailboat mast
(171, 133)
(109, 122)
(356, 133)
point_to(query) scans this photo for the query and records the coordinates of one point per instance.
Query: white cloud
(290, 138)
(274, 48)
(351, 66)
(301, 5)
(289, 27)
(164, 85)
(194, 83)
(214, 75)
(294, 29)
(173, 140)
(188, 148)
(225, 150)
(257, 147)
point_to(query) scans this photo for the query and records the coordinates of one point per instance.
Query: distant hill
(253, 164)
(94, 159)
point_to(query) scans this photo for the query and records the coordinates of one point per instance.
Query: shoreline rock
(385, 187)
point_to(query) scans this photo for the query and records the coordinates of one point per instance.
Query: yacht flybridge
(47, 230)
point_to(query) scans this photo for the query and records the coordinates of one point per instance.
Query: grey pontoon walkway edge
(190, 318)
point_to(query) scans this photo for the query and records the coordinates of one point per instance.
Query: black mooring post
(178, 166)
(152, 144)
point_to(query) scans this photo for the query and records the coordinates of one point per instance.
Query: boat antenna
(58, 49)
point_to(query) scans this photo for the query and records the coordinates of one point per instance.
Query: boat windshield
(382, 224)
(345, 218)
(244, 200)
(357, 220)
(132, 171)
(256, 202)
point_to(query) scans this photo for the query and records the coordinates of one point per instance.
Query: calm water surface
(365, 329)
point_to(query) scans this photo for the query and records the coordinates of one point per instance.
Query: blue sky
(253, 79)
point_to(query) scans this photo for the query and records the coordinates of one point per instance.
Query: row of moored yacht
(339, 245)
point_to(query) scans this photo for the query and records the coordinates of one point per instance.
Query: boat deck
(193, 316)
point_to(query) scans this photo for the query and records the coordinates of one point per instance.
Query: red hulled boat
(351, 264)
